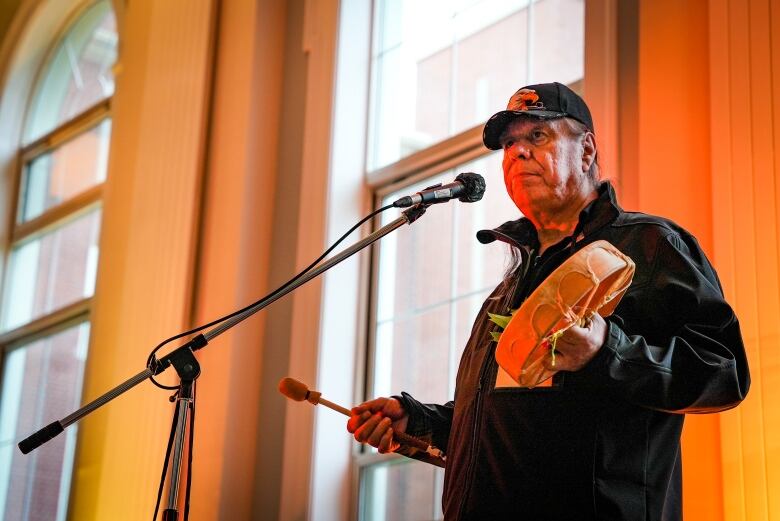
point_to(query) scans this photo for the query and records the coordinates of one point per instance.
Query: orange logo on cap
(525, 99)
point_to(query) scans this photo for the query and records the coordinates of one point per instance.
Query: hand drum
(592, 280)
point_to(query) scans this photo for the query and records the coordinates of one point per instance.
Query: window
(51, 261)
(439, 70)
(441, 67)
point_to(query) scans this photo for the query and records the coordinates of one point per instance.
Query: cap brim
(497, 123)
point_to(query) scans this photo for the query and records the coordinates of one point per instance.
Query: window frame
(51, 218)
(86, 200)
(73, 206)
(458, 149)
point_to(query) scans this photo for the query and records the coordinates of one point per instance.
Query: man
(603, 441)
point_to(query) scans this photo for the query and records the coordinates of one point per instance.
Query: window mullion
(73, 208)
(430, 160)
(48, 324)
(68, 130)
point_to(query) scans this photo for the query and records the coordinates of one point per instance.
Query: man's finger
(364, 431)
(555, 364)
(375, 405)
(386, 443)
(376, 436)
(356, 420)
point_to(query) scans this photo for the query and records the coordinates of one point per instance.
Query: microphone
(467, 187)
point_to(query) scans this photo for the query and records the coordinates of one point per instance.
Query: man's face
(545, 165)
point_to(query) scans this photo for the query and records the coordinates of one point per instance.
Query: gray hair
(578, 129)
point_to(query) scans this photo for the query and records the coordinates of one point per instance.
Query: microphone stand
(188, 369)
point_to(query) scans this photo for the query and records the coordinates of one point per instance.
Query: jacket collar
(521, 233)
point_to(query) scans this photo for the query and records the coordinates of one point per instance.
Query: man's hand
(374, 421)
(578, 345)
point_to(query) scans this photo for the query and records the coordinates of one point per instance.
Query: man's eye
(508, 144)
(537, 135)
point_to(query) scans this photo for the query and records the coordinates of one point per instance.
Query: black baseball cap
(543, 101)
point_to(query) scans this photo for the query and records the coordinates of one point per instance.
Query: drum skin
(593, 280)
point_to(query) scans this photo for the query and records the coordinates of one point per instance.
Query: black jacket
(602, 443)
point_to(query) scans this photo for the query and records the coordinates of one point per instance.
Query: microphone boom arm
(177, 356)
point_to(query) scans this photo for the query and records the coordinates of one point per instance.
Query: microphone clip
(415, 212)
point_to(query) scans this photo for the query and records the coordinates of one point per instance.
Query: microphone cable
(150, 362)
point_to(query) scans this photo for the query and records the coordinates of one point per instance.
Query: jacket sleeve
(429, 422)
(676, 345)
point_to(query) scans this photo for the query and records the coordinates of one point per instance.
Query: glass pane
(405, 491)
(413, 280)
(412, 354)
(440, 67)
(52, 270)
(432, 278)
(41, 383)
(558, 41)
(58, 175)
(79, 72)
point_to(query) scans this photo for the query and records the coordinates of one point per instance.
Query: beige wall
(149, 242)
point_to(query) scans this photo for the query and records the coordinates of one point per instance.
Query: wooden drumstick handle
(299, 392)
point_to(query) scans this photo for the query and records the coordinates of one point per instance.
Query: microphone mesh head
(475, 187)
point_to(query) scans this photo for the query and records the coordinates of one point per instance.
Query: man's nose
(520, 150)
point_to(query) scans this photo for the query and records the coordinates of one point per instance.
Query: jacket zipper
(533, 268)
(478, 407)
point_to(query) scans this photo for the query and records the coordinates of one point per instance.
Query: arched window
(51, 259)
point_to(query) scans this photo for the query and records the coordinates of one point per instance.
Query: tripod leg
(189, 454)
(165, 465)
(183, 403)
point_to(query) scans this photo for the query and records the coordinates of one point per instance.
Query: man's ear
(588, 151)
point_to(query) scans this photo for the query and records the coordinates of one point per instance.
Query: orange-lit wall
(745, 115)
(701, 150)
(673, 179)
